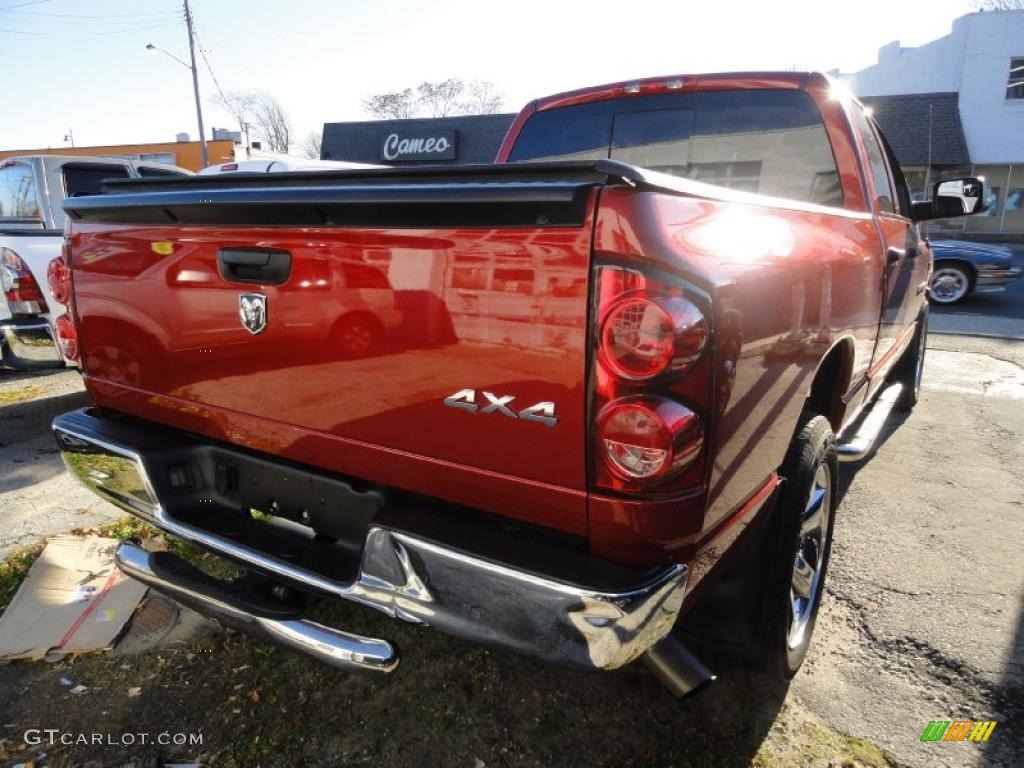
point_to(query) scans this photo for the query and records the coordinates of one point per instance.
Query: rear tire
(910, 369)
(800, 543)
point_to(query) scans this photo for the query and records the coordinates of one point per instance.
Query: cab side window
(17, 193)
(885, 197)
(898, 179)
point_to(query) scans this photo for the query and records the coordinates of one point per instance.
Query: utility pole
(195, 83)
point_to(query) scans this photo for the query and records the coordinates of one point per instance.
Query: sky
(82, 65)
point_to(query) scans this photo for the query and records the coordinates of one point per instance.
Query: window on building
(157, 157)
(148, 172)
(1015, 83)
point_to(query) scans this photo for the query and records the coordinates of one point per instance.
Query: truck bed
(380, 320)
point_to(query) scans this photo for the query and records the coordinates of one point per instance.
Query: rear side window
(87, 178)
(771, 142)
(580, 132)
(18, 193)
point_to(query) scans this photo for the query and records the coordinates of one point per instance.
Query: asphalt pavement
(997, 315)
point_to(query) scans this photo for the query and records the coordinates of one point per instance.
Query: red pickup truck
(576, 404)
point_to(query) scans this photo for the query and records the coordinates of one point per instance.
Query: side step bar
(254, 614)
(871, 427)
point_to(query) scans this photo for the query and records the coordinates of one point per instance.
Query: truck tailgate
(412, 330)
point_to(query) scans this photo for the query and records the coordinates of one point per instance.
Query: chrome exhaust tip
(681, 672)
(179, 580)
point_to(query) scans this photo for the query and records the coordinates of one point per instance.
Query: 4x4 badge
(543, 412)
(252, 309)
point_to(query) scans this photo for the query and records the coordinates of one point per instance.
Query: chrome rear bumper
(403, 574)
(28, 344)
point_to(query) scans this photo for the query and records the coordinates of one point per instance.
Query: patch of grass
(131, 527)
(14, 569)
(863, 752)
(807, 743)
(20, 395)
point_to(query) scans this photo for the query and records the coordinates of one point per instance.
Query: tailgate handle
(264, 266)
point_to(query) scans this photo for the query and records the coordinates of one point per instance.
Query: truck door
(914, 298)
(900, 249)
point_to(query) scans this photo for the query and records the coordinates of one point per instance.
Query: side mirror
(951, 198)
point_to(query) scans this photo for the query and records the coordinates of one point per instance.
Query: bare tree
(440, 99)
(312, 145)
(399, 105)
(238, 104)
(261, 110)
(270, 118)
(482, 99)
(998, 5)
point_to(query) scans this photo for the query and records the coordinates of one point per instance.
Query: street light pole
(195, 79)
(195, 84)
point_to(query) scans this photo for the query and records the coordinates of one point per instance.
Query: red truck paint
(788, 284)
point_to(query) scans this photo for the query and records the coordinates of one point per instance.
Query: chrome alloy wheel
(949, 285)
(810, 556)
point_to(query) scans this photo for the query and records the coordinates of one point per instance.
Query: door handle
(263, 266)
(893, 255)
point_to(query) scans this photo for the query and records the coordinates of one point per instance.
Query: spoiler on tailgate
(522, 194)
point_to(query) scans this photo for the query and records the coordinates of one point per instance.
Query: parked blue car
(963, 267)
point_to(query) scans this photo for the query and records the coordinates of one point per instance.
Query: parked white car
(282, 165)
(32, 191)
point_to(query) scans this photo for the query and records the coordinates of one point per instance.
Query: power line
(136, 29)
(100, 17)
(23, 32)
(121, 31)
(22, 5)
(202, 52)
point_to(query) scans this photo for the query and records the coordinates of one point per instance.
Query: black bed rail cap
(525, 194)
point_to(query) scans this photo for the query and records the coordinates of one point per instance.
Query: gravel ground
(922, 620)
(37, 497)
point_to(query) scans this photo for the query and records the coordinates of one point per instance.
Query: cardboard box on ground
(74, 600)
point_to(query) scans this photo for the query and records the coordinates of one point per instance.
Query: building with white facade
(981, 64)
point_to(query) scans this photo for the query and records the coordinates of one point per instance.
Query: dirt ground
(922, 620)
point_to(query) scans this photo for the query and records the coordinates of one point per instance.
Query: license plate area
(314, 520)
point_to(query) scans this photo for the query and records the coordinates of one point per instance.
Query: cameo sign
(417, 146)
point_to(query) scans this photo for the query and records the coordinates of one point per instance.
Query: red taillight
(643, 337)
(651, 382)
(229, 167)
(20, 288)
(648, 437)
(67, 336)
(58, 276)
